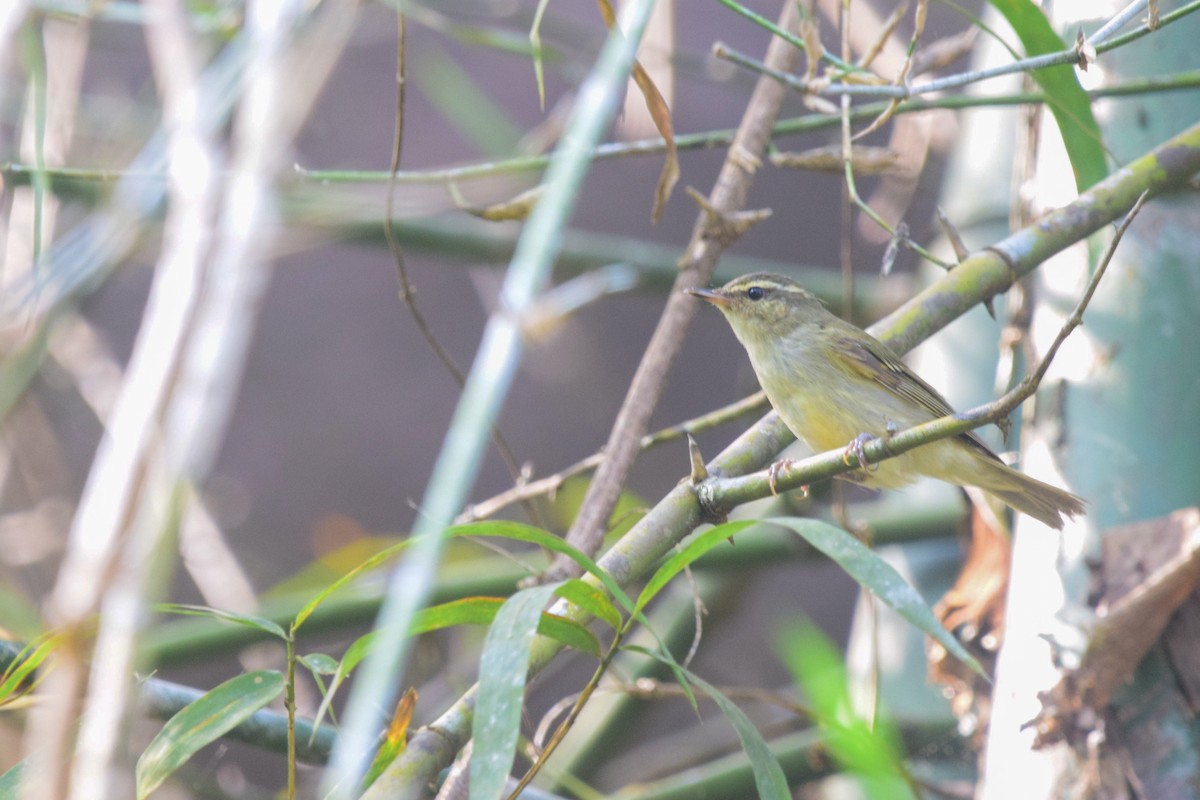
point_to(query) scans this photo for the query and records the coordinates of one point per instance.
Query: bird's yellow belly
(825, 423)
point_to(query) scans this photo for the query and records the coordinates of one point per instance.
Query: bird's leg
(773, 474)
(856, 449)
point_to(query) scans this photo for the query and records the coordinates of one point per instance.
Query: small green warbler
(834, 384)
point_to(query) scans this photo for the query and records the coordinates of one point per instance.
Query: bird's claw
(857, 448)
(773, 474)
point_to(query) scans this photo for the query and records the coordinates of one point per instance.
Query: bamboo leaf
(875, 574)
(247, 620)
(768, 775)
(202, 722)
(868, 750)
(1068, 101)
(503, 668)
(693, 550)
(591, 600)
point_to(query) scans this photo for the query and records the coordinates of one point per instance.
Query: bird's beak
(708, 295)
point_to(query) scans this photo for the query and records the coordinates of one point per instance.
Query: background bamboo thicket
(347, 383)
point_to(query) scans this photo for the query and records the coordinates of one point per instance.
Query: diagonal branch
(728, 196)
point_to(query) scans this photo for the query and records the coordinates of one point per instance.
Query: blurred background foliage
(341, 405)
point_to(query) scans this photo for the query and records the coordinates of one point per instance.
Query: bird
(836, 386)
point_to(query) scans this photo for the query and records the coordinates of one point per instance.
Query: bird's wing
(872, 359)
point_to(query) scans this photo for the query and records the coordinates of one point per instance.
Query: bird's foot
(773, 474)
(857, 449)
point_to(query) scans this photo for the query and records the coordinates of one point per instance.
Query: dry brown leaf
(661, 114)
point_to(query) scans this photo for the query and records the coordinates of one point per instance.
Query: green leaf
(329, 566)
(368, 564)
(483, 611)
(513, 531)
(248, 620)
(1067, 100)
(591, 600)
(319, 663)
(503, 668)
(10, 781)
(871, 753)
(768, 775)
(468, 611)
(16, 677)
(697, 547)
(527, 533)
(203, 722)
(875, 574)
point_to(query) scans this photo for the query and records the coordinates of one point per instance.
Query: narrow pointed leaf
(203, 722)
(768, 775)
(875, 574)
(868, 750)
(591, 600)
(1068, 101)
(503, 669)
(248, 620)
(693, 550)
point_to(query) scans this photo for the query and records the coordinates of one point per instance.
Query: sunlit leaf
(527, 533)
(513, 531)
(395, 739)
(20, 677)
(330, 566)
(483, 611)
(1067, 100)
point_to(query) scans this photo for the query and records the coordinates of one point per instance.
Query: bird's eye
(756, 293)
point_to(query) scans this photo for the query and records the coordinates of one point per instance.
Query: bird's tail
(1030, 496)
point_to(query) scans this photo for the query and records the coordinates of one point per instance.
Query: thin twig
(407, 292)
(528, 490)
(1069, 56)
(492, 374)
